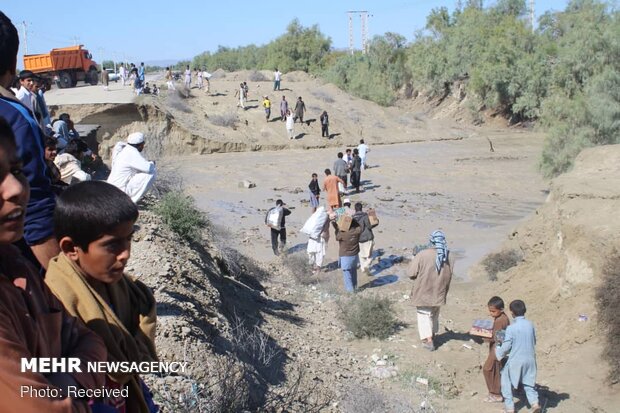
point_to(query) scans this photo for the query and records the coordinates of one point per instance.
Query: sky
(148, 31)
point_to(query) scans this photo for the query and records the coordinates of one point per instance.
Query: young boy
(94, 222)
(33, 323)
(492, 367)
(520, 342)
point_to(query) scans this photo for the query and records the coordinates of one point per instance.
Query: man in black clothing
(324, 124)
(281, 232)
(315, 192)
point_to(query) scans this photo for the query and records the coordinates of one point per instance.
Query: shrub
(500, 261)
(181, 215)
(228, 120)
(368, 317)
(608, 305)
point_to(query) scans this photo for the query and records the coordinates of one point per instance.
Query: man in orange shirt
(330, 185)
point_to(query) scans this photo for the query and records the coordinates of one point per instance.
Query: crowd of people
(65, 240)
(64, 243)
(511, 362)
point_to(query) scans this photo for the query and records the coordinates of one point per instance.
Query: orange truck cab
(64, 66)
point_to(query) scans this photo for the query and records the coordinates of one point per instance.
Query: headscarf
(438, 240)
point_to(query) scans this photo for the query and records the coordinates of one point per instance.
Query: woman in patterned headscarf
(432, 269)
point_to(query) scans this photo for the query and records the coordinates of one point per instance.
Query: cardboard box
(344, 222)
(482, 328)
(372, 217)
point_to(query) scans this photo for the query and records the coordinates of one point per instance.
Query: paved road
(87, 94)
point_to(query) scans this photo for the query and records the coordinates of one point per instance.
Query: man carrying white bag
(317, 229)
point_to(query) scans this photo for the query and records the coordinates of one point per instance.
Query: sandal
(428, 346)
(493, 399)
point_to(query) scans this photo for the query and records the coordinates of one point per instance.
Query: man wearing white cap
(130, 171)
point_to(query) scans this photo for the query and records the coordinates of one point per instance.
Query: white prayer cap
(135, 138)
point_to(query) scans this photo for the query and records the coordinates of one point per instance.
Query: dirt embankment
(207, 123)
(565, 247)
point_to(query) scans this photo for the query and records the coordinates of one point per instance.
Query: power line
(364, 15)
(24, 26)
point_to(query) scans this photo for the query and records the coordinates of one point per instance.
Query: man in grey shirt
(341, 168)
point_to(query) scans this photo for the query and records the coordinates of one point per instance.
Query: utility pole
(364, 22)
(76, 40)
(25, 37)
(532, 14)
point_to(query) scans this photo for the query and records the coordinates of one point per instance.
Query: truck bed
(58, 59)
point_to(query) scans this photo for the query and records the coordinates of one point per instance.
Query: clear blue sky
(142, 30)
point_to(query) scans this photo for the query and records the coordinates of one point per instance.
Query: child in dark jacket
(492, 367)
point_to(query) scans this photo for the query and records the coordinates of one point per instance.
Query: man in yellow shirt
(267, 106)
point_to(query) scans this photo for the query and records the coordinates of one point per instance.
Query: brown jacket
(126, 323)
(430, 289)
(33, 323)
(349, 241)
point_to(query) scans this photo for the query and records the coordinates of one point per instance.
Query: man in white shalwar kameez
(316, 248)
(130, 171)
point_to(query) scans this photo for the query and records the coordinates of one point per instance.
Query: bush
(368, 317)
(499, 262)
(227, 119)
(181, 215)
(608, 306)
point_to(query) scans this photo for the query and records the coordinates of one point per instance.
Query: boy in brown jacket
(94, 223)
(492, 367)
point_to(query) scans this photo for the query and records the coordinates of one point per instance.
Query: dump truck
(64, 66)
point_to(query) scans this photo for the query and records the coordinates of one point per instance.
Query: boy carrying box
(519, 344)
(94, 222)
(492, 367)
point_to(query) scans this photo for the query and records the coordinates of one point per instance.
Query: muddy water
(474, 195)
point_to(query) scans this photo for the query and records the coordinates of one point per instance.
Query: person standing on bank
(283, 108)
(300, 108)
(275, 233)
(432, 271)
(324, 118)
(267, 106)
(277, 75)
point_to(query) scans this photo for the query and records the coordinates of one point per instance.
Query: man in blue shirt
(39, 231)
(519, 345)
